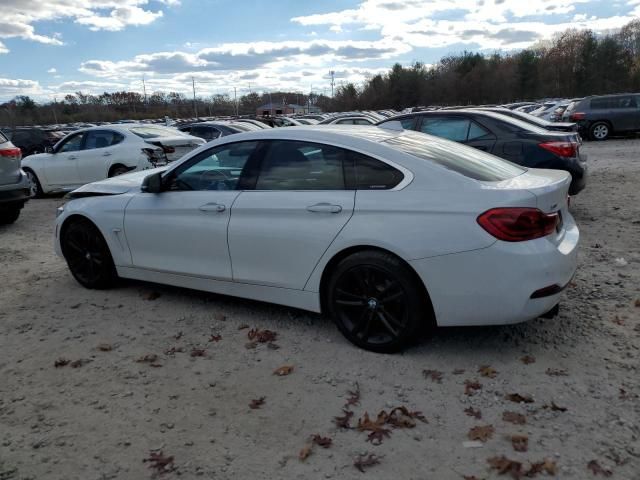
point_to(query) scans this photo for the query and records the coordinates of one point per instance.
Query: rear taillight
(155, 156)
(562, 149)
(166, 149)
(14, 153)
(574, 117)
(517, 224)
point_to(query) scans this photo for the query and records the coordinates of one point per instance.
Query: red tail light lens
(562, 149)
(574, 117)
(518, 224)
(14, 153)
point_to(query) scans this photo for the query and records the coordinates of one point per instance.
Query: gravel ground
(103, 414)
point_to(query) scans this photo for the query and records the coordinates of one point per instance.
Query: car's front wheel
(600, 131)
(87, 254)
(376, 301)
(35, 187)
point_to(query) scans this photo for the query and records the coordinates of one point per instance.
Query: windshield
(155, 132)
(467, 161)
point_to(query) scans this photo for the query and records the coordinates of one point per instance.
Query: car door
(280, 229)
(624, 113)
(183, 229)
(99, 152)
(61, 167)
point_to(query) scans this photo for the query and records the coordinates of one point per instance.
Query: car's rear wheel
(35, 187)
(118, 170)
(376, 301)
(9, 215)
(600, 131)
(87, 254)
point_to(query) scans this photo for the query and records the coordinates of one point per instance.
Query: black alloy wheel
(375, 302)
(87, 255)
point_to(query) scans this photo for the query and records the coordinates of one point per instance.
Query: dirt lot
(103, 418)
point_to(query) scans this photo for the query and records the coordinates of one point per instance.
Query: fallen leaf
(402, 417)
(105, 347)
(596, 469)
(471, 386)
(556, 372)
(61, 362)
(434, 375)
(198, 352)
(79, 363)
(148, 358)
(284, 370)
(261, 336)
(516, 397)
(324, 442)
(215, 338)
(376, 427)
(546, 465)
(151, 295)
(160, 463)
(481, 433)
(618, 321)
(505, 466)
(554, 408)
(528, 359)
(637, 302)
(256, 403)
(458, 371)
(487, 371)
(173, 350)
(514, 417)
(305, 451)
(345, 420)
(472, 412)
(354, 396)
(520, 443)
(364, 461)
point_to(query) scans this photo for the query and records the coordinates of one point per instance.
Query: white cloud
(52, 70)
(19, 16)
(10, 87)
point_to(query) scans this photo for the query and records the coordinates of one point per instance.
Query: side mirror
(152, 183)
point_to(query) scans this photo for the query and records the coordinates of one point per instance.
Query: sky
(49, 48)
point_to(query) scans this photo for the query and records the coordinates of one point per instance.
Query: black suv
(33, 140)
(599, 117)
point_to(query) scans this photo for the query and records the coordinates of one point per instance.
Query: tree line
(574, 63)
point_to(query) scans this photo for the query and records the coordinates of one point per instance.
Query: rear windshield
(155, 132)
(3, 138)
(467, 161)
(516, 122)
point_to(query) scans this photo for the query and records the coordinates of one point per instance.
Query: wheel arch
(73, 218)
(118, 165)
(346, 252)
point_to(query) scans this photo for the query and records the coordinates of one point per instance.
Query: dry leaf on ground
(354, 396)
(505, 466)
(198, 352)
(256, 403)
(434, 375)
(471, 386)
(215, 338)
(596, 469)
(345, 420)
(554, 408)
(516, 397)
(283, 370)
(487, 371)
(305, 451)
(105, 347)
(481, 433)
(472, 412)
(556, 372)
(160, 463)
(261, 336)
(514, 417)
(528, 359)
(324, 442)
(520, 443)
(61, 362)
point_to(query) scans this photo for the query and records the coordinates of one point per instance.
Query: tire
(9, 215)
(36, 188)
(118, 170)
(600, 131)
(376, 301)
(87, 255)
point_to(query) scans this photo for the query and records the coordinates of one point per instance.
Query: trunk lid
(175, 147)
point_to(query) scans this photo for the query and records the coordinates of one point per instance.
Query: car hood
(115, 185)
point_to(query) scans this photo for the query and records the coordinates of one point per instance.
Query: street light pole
(195, 105)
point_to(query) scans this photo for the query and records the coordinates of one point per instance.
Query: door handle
(324, 208)
(72, 157)
(106, 154)
(212, 207)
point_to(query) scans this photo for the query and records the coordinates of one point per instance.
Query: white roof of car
(321, 133)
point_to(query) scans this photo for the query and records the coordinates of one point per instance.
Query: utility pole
(55, 117)
(270, 105)
(235, 99)
(195, 105)
(332, 74)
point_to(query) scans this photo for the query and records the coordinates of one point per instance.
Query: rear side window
(462, 159)
(155, 132)
(101, 139)
(366, 173)
(626, 101)
(450, 128)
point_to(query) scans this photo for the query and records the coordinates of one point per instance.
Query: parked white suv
(96, 153)
(14, 184)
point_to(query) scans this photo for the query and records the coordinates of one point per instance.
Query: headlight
(60, 210)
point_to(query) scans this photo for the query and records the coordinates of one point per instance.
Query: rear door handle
(72, 157)
(324, 208)
(106, 154)
(212, 207)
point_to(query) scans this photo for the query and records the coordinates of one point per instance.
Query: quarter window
(294, 165)
(371, 174)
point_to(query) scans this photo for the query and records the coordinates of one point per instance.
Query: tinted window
(206, 133)
(467, 161)
(72, 143)
(371, 174)
(293, 165)
(613, 102)
(361, 121)
(155, 132)
(407, 123)
(450, 128)
(101, 139)
(476, 131)
(347, 121)
(219, 168)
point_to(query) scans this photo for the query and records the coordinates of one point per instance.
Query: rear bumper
(494, 285)
(14, 193)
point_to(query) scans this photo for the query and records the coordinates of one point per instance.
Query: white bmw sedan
(385, 231)
(96, 153)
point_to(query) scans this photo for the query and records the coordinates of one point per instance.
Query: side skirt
(281, 296)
